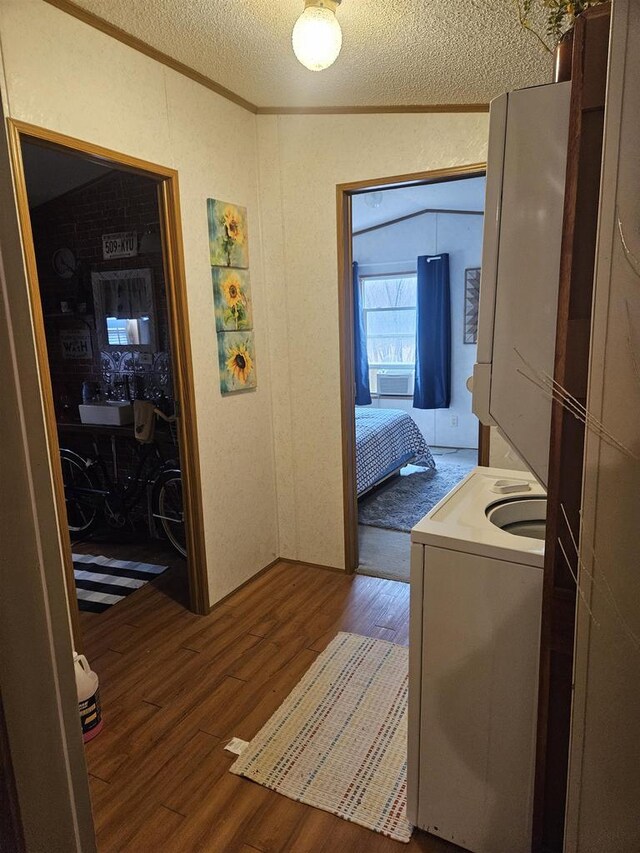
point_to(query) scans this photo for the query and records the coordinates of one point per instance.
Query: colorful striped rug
(102, 582)
(339, 741)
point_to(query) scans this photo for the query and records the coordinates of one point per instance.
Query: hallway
(176, 687)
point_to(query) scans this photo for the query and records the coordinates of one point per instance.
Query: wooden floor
(176, 687)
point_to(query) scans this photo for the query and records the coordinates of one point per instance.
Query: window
(127, 332)
(389, 309)
(124, 309)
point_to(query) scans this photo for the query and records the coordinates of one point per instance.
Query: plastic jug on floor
(88, 688)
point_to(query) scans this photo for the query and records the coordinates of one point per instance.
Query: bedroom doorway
(410, 256)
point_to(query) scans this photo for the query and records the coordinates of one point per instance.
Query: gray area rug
(401, 502)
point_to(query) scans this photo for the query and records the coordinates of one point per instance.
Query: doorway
(409, 435)
(101, 236)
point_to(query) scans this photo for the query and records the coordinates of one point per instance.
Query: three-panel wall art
(229, 257)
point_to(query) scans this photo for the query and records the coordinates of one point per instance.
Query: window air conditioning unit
(394, 384)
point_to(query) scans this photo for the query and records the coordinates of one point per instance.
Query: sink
(111, 413)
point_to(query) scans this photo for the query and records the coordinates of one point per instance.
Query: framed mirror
(124, 310)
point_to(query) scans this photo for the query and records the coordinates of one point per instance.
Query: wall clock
(64, 262)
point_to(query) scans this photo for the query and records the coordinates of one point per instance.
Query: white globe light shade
(317, 38)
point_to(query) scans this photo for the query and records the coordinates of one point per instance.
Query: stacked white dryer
(477, 557)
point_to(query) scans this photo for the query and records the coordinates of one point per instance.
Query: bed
(386, 440)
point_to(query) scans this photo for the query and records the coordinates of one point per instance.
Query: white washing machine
(476, 596)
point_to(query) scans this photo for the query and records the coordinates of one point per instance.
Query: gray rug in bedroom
(402, 501)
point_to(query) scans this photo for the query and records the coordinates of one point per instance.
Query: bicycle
(91, 491)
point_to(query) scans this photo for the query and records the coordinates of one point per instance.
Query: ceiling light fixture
(317, 37)
(374, 199)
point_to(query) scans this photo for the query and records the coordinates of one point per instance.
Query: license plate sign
(121, 245)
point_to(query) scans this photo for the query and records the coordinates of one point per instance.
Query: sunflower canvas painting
(228, 235)
(237, 361)
(232, 299)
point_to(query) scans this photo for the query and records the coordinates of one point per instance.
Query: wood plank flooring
(176, 687)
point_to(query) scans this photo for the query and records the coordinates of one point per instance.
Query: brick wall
(117, 201)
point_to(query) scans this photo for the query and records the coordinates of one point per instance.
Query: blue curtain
(433, 337)
(360, 359)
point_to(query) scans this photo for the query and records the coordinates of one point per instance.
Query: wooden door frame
(344, 195)
(175, 282)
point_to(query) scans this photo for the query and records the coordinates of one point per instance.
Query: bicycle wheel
(82, 510)
(168, 509)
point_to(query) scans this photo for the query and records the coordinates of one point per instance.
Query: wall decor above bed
(471, 304)
(229, 258)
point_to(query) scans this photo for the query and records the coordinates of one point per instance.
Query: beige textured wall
(66, 76)
(302, 158)
(258, 502)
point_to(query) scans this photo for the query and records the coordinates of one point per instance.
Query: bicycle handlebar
(168, 418)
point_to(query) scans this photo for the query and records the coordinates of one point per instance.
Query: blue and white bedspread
(386, 439)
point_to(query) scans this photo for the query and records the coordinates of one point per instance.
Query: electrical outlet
(454, 420)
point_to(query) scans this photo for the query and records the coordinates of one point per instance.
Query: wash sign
(76, 344)
(124, 244)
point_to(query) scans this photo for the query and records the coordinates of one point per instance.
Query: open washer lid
(528, 133)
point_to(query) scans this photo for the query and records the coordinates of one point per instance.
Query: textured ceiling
(464, 194)
(398, 52)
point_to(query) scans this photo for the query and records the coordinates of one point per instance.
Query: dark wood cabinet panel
(589, 72)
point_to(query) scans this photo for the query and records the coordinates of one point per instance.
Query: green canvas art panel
(237, 361)
(228, 234)
(232, 299)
